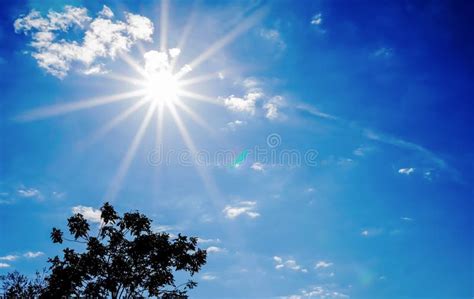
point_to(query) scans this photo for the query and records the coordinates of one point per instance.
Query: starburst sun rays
(161, 88)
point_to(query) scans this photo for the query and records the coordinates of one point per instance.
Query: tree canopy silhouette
(123, 258)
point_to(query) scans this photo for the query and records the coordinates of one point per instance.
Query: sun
(162, 87)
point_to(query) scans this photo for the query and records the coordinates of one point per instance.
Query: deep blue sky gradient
(417, 100)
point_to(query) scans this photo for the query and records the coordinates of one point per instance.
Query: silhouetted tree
(16, 285)
(123, 259)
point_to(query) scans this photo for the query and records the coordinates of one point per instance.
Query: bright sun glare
(162, 87)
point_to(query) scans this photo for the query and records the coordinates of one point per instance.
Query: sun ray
(184, 36)
(127, 160)
(208, 181)
(198, 79)
(164, 25)
(123, 78)
(114, 122)
(195, 96)
(159, 124)
(55, 110)
(196, 118)
(134, 65)
(229, 37)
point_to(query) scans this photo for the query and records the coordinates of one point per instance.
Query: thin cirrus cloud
(243, 208)
(103, 38)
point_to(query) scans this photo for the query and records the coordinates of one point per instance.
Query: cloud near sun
(103, 38)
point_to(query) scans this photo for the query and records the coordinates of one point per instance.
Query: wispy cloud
(208, 276)
(406, 171)
(32, 255)
(243, 208)
(323, 264)
(315, 111)
(9, 257)
(29, 193)
(273, 36)
(205, 241)
(272, 107)
(215, 249)
(291, 264)
(234, 125)
(257, 166)
(383, 52)
(371, 232)
(317, 19)
(4, 265)
(89, 213)
(104, 37)
(321, 292)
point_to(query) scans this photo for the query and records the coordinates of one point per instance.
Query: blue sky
(361, 113)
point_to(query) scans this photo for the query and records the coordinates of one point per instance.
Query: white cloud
(317, 19)
(257, 166)
(103, 37)
(29, 193)
(323, 264)
(406, 218)
(272, 106)
(215, 249)
(273, 36)
(32, 255)
(164, 228)
(106, 12)
(406, 171)
(318, 292)
(288, 264)
(9, 257)
(249, 103)
(246, 208)
(96, 69)
(245, 104)
(4, 265)
(204, 241)
(234, 125)
(208, 277)
(89, 213)
(362, 150)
